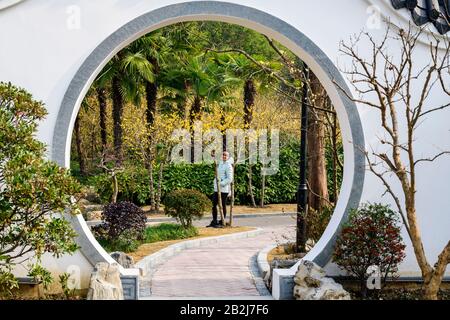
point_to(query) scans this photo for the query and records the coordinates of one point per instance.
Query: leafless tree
(113, 171)
(402, 86)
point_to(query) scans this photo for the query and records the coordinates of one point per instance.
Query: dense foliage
(371, 237)
(186, 205)
(32, 191)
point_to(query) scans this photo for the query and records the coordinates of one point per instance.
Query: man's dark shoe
(212, 224)
(218, 226)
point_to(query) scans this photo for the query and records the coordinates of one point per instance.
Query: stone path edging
(263, 264)
(258, 277)
(149, 263)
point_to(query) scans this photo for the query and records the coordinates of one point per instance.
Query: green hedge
(134, 181)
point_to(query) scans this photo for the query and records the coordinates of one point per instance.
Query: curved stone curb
(263, 264)
(258, 277)
(149, 263)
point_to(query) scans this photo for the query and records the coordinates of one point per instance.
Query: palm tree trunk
(224, 134)
(151, 92)
(80, 150)
(249, 103)
(101, 97)
(194, 115)
(117, 118)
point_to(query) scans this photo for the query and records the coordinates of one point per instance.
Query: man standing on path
(225, 174)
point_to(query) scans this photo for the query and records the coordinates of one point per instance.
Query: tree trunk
(151, 92)
(224, 132)
(160, 180)
(151, 185)
(232, 199)
(432, 285)
(263, 189)
(80, 150)
(249, 103)
(317, 172)
(219, 192)
(115, 188)
(117, 119)
(432, 276)
(101, 97)
(335, 160)
(250, 186)
(194, 115)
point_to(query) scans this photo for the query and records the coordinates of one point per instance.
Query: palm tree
(124, 72)
(249, 74)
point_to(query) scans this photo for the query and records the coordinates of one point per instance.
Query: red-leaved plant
(371, 237)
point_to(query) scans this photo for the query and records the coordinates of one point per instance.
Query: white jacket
(225, 172)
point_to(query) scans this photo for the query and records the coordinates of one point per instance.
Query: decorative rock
(105, 283)
(277, 264)
(312, 284)
(93, 215)
(123, 259)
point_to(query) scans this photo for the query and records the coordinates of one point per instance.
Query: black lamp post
(302, 192)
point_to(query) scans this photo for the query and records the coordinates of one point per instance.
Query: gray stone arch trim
(248, 17)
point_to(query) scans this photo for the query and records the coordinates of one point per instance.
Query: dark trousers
(215, 200)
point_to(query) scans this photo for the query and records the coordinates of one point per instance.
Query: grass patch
(162, 232)
(168, 231)
(122, 244)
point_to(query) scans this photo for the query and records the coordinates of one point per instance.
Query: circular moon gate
(287, 35)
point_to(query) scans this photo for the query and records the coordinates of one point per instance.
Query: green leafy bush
(133, 185)
(370, 238)
(64, 282)
(32, 189)
(186, 205)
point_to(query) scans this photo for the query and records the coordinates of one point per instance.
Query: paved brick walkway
(220, 270)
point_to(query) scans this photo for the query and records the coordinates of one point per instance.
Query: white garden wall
(43, 43)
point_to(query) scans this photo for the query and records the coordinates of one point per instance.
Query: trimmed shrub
(186, 205)
(120, 218)
(370, 238)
